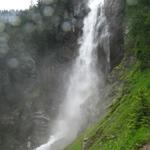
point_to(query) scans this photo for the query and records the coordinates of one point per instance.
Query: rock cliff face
(115, 13)
(37, 49)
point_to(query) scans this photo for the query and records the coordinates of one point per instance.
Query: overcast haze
(15, 4)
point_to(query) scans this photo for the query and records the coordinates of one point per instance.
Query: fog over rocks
(48, 11)
(66, 26)
(2, 27)
(37, 47)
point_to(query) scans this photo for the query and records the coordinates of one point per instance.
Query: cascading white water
(84, 80)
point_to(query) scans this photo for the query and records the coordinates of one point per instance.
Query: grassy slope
(127, 125)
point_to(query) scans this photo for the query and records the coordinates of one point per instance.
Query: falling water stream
(84, 80)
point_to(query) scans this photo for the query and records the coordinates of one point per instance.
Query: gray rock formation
(37, 48)
(114, 10)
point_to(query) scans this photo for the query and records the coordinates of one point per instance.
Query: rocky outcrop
(114, 11)
(36, 47)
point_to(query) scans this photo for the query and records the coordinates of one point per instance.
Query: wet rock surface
(35, 51)
(37, 48)
(114, 11)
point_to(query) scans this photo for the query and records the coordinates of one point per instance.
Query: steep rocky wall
(38, 46)
(114, 11)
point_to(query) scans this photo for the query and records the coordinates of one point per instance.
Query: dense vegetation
(139, 34)
(127, 125)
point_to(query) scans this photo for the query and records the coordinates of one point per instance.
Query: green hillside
(127, 124)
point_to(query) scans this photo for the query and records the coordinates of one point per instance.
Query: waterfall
(83, 86)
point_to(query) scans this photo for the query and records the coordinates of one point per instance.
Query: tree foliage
(140, 31)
